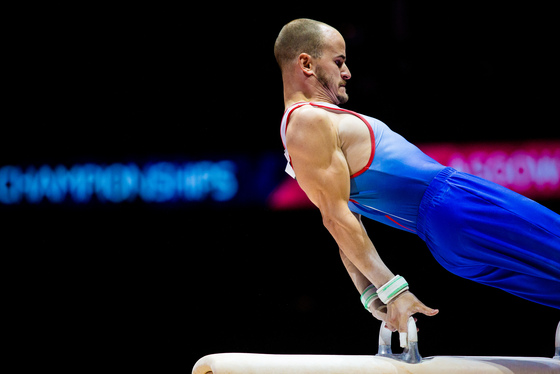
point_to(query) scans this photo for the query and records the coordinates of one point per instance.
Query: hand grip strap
(392, 289)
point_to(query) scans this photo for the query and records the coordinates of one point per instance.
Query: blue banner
(235, 180)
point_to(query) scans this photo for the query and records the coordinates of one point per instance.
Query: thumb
(421, 308)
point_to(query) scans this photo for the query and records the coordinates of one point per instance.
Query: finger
(403, 339)
(390, 327)
(421, 308)
(403, 331)
(415, 321)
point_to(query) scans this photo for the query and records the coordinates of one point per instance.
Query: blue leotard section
(391, 188)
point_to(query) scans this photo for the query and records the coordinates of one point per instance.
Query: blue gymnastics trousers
(482, 231)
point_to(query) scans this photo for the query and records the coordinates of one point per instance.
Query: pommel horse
(385, 362)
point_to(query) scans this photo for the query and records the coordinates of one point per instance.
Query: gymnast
(351, 165)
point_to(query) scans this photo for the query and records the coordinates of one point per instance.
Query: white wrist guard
(390, 290)
(369, 296)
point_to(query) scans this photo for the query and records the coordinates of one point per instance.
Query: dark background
(136, 285)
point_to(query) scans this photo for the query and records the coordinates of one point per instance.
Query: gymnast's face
(331, 70)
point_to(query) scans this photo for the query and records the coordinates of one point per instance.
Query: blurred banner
(531, 168)
(215, 182)
(158, 182)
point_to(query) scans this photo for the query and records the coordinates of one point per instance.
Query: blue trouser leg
(484, 232)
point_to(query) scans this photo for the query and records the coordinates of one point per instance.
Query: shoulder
(311, 133)
(308, 119)
(308, 113)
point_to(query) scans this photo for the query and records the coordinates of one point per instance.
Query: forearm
(360, 281)
(358, 249)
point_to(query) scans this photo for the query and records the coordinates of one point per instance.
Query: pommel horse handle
(410, 353)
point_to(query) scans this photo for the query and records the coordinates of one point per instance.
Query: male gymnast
(351, 165)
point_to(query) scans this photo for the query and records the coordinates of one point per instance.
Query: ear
(305, 63)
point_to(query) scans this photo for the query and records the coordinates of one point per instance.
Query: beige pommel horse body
(385, 362)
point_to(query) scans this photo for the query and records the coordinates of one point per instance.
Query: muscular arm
(322, 172)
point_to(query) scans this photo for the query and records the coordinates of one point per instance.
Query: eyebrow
(342, 57)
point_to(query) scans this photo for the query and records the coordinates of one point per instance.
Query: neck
(300, 97)
(294, 93)
(296, 98)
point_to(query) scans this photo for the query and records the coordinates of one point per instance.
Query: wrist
(392, 289)
(369, 296)
(371, 301)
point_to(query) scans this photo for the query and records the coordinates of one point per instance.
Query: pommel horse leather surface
(247, 363)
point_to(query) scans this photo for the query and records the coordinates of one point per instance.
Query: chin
(342, 97)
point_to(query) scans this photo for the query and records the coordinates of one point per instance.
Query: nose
(345, 74)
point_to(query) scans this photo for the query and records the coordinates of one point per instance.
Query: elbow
(341, 223)
(330, 221)
(337, 217)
